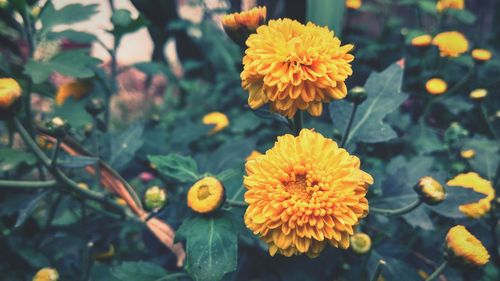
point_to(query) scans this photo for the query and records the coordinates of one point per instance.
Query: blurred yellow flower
(76, 89)
(478, 94)
(46, 274)
(295, 67)
(244, 23)
(436, 86)
(218, 119)
(304, 193)
(10, 91)
(361, 243)
(353, 4)
(155, 198)
(464, 248)
(450, 4)
(481, 54)
(206, 195)
(121, 202)
(422, 40)
(430, 190)
(478, 184)
(451, 43)
(467, 154)
(253, 155)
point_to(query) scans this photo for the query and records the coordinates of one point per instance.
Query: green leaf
(457, 104)
(125, 145)
(182, 168)
(76, 161)
(487, 157)
(72, 35)
(68, 14)
(211, 246)
(124, 23)
(428, 7)
(26, 212)
(326, 13)
(74, 112)
(464, 16)
(12, 158)
(33, 257)
(384, 96)
(139, 271)
(456, 196)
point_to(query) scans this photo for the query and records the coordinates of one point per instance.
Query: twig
(438, 271)
(397, 212)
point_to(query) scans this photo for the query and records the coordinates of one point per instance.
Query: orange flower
(218, 119)
(436, 86)
(75, 89)
(477, 183)
(481, 55)
(464, 248)
(206, 195)
(295, 67)
(450, 4)
(304, 193)
(46, 274)
(451, 43)
(421, 41)
(10, 91)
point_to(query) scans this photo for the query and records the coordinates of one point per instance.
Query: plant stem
(345, 136)
(95, 137)
(438, 271)
(236, 203)
(113, 72)
(378, 270)
(298, 120)
(53, 160)
(27, 184)
(397, 212)
(488, 124)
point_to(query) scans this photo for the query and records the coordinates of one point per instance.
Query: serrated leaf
(211, 246)
(124, 146)
(139, 271)
(384, 96)
(12, 158)
(68, 14)
(182, 168)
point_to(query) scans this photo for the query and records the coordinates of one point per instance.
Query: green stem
(438, 271)
(53, 160)
(298, 120)
(28, 184)
(397, 212)
(95, 137)
(488, 124)
(345, 136)
(236, 203)
(378, 270)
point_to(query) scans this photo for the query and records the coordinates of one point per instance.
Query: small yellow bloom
(10, 91)
(467, 154)
(293, 67)
(353, 4)
(305, 193)
(206, 195)
(481, 55)
(478, 94)
(451, 43)
(253, 155)
(361, 243)
(436, 86)
(218, 119)
(450, 4)
(430, 191)
(75, 89)
(239, 26)
(464, 248)
(121, 202)
(421, 41)
(474, 181)
(155, 198)
(46, 274)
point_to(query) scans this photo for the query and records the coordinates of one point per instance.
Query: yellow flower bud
(206, 195)
(468, 153)
(361, 243)
(451, 43)
(430, 191)
(218, 119)
(481, 55)
(83, 185)
(46, 274)
(10, 91)
(450, 4)
(436, 86)
(478, 94)
(239, 26)
(465, 249)
(155, 198)
(353, 4)
(421, 41)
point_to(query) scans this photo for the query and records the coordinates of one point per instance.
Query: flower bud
(478, 94)
(481, 55)
(35, 11)
(46, 274)
(87, 129)
(468, 153)
(146, 176)
(436, 86)
(155, 119)
(155, 198)
(431, 192)
(10, 91)
(206, 195)
(360, 243)
(121, 202)
(464, 249)
(357, 95)
(422, 41)
(353, 4)
(58, 127)
(95, 106)
(239, 26)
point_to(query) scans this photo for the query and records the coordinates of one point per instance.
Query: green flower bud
(360, 243)
(155, 198)
(95, 106)
(58, 127)
(357, 95)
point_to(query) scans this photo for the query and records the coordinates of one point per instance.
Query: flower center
(300, 187)
(203, 192)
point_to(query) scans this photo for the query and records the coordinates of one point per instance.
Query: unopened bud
(431, 192)
(94, 106)
(58, 127)
(357, 95)
(155, 198)
(360, 243)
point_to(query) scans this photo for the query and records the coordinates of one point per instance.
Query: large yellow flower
(303, 193)
(451, 43)
(450, 4)
(75, 89)
(477, 183)
(465, 248)
(294, 66)
(10, 91)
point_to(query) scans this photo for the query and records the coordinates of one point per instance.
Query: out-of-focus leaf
(266, 114)
(74, 112)
(487, 156)
(457, 104)
(424, 139)
(139, 271)
(76, 161)
(124, 146)
(26, 212)
(456, 196)
(12, 158)
(34, 258)
(394, 269)
(68, 14)
(124, 23)
(326, 13)
(384, 96)
(72, 35)
(181, 168)
(462, 15)
(428, 6)
(211, 246)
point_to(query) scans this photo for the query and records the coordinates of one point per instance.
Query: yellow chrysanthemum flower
(450, 4)
(353, 4)
(436, 86)
(451, 43)
(218, 119)
(481, 55)
(10, 91)
(303, 193)
(253, 155)
(478, 94)
(430, 190)
(75, 89)
(294, 66)
(206, 195)
(478, 184)
(464, 248)
(468, 153)
(239, 25)
(361, 243)
(422, 40)
(46, 274)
